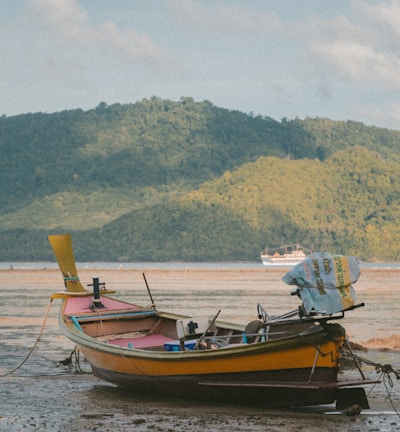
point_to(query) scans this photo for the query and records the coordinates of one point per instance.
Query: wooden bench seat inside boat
(148, 341)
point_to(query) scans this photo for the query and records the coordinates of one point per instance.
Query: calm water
(6, 265)
(24, 296)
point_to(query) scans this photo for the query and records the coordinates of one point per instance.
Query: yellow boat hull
(225, 361)
(286, 362)
(294, 371)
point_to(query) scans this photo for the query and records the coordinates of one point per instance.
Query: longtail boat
(288, 360)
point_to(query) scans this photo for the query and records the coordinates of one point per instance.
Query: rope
(68, 361)
(34, 345)
(385, 374)
(386, 369)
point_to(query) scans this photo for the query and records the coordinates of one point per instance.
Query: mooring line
(387, 377)
(34, 345)
(385, 371)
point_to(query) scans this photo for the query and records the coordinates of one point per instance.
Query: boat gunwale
(313, 338)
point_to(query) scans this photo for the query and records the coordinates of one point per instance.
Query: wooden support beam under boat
(318, 385)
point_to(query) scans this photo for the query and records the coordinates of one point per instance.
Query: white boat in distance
(291, 255)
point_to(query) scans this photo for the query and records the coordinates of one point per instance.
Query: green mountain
(161, 180)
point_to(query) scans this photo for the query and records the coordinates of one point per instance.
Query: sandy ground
(80, 402)
(371, 281)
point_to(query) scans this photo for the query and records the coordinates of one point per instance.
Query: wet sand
(46, 398)
(83, 403)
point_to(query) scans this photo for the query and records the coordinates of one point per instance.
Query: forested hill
(162, 180)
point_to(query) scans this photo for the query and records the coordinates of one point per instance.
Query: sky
(288, 59)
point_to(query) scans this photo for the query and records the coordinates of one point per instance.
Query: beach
(44, 395)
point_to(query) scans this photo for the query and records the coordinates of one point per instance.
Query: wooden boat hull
(296, 370)
(213, 387)
(281, 361)
(290, 362)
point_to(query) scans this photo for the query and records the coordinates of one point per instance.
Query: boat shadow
(106, 395)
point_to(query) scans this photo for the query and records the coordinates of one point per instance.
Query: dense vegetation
(160, 180)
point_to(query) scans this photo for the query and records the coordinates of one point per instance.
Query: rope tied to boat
(73, 360)
(385, 369)
(34, 345)
(386, 376)
(386, 372)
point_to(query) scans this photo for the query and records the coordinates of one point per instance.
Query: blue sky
(276, 58)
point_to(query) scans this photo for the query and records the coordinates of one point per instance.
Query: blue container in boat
(176, 345)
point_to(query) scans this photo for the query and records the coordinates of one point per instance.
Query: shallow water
(44, 395)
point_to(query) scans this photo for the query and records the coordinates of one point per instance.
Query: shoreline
(370, 283)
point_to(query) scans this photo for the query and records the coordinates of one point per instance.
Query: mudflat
(45, 396)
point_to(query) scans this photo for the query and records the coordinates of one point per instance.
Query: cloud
(278, 60)
(362, 48)
(387, 13)
(65, 17)
(361, 63)
(70, 27)
(383, 114)
(223, 18)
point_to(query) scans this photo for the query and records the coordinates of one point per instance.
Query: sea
(46, 385)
